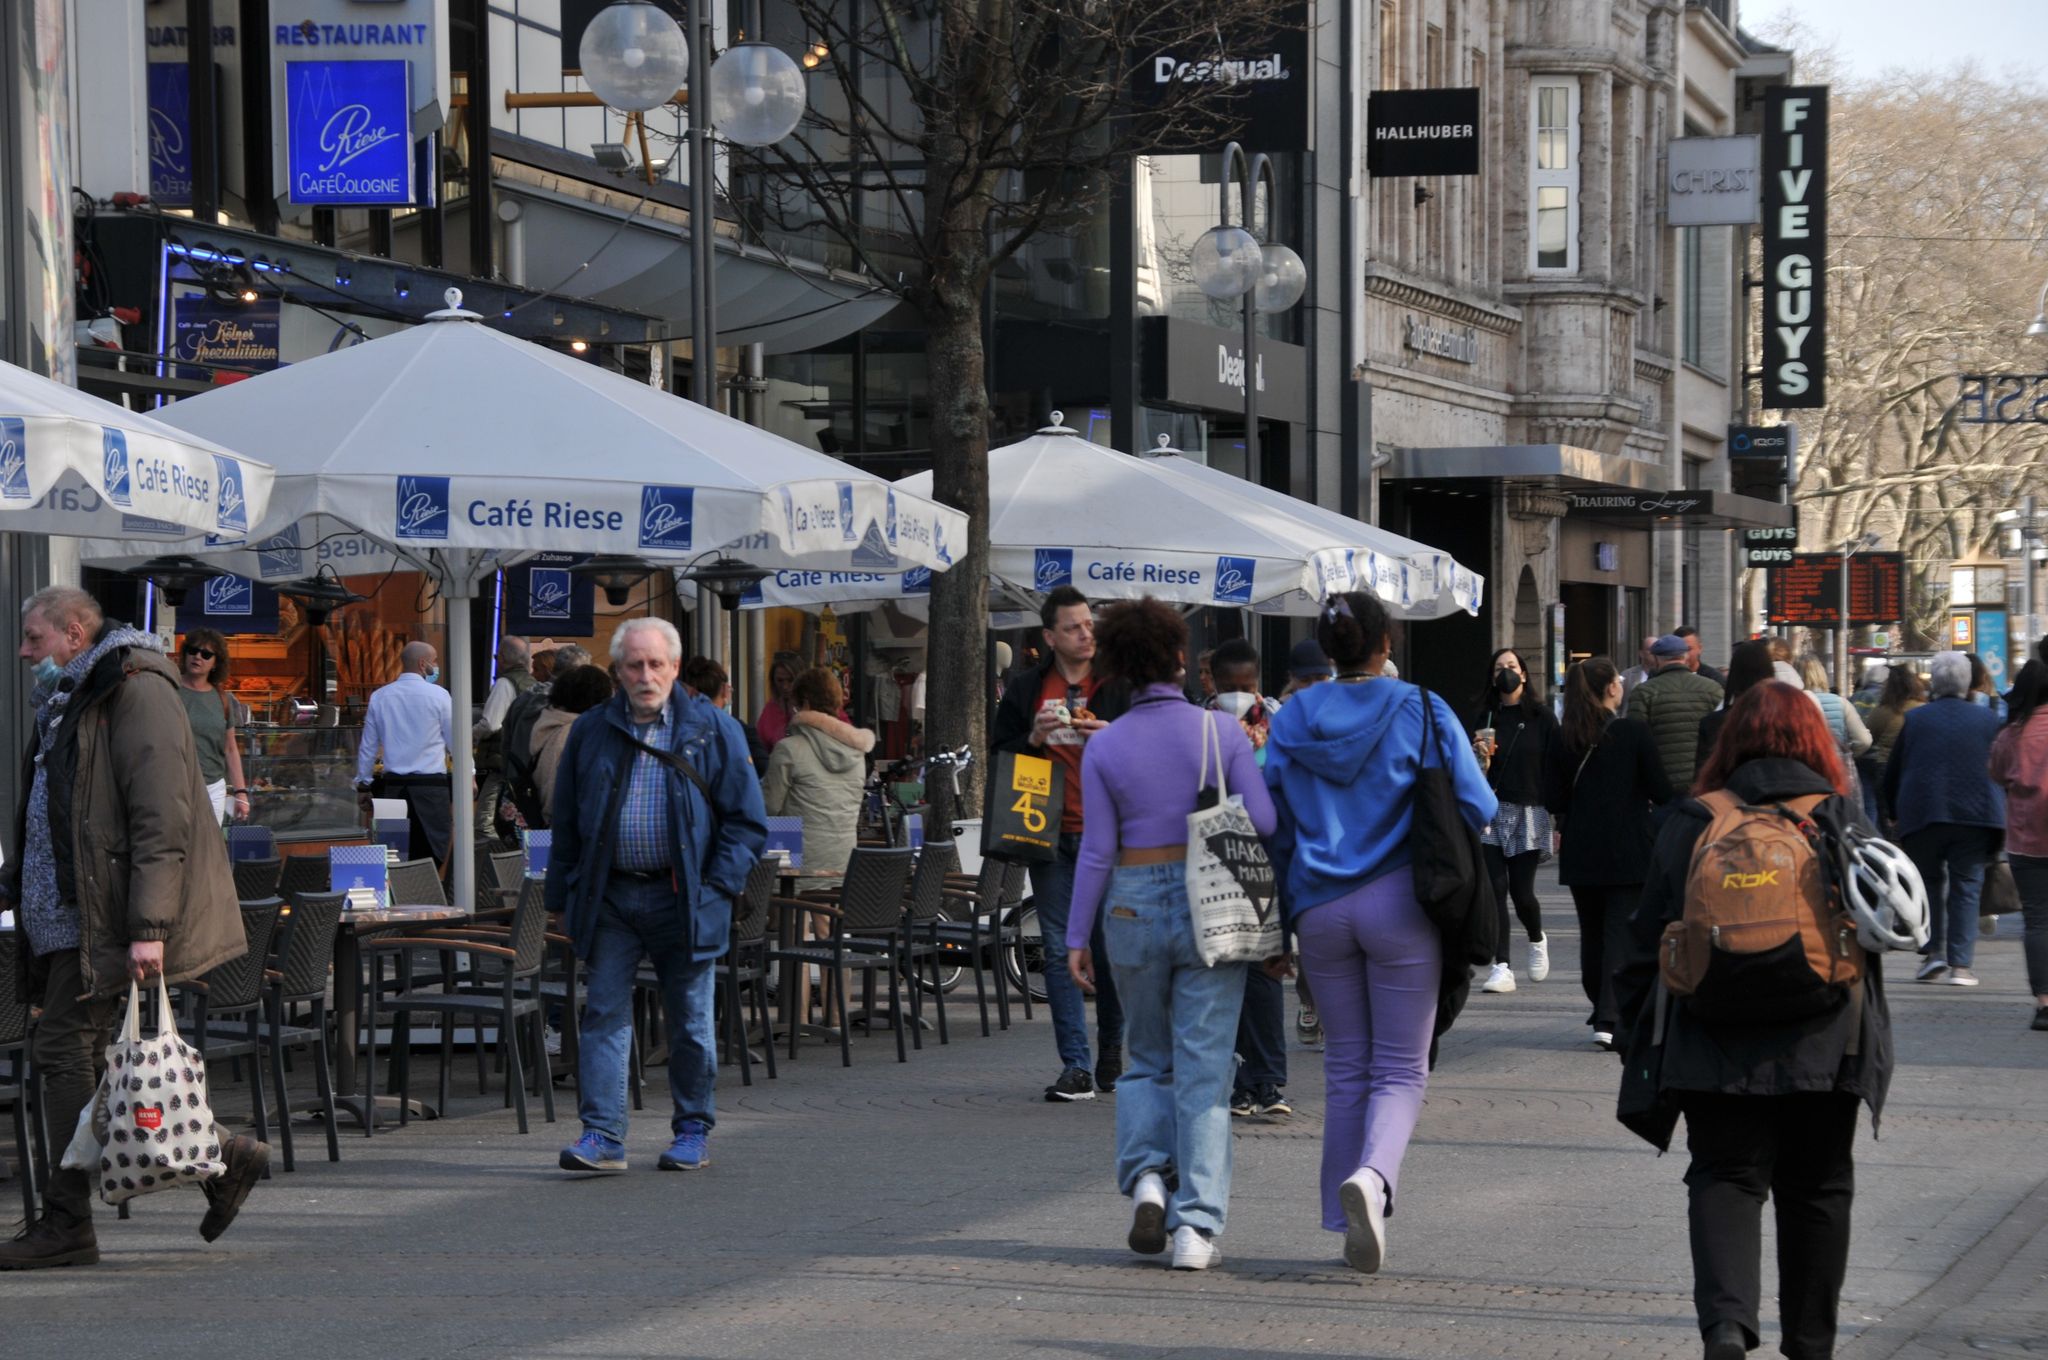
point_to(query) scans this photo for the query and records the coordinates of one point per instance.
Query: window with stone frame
(1554, 175)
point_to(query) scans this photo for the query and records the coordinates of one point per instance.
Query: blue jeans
(1052, 895)
(1172, 1102)
(640, 920)
(1262, 1033)
(1962, 851)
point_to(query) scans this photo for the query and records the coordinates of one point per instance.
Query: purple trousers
(1374, 963)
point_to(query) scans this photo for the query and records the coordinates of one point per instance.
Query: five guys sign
(1795, 201)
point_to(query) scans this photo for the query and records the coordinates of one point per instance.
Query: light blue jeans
(636, 920)
(1180, 1038)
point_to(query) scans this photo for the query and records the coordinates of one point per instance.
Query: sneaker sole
(571, 1162)
(671, 1164)
(1282, 1108)
(1148, 1229)
(1202, 1262)
(220, 1216)
(82, 1256)
(1363, 1250)
(1054, 1097)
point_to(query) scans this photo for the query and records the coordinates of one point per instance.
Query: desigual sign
(1265, 75)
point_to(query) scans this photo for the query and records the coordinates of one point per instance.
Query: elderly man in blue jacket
(657, 822)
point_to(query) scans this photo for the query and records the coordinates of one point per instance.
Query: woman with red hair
(1770, 1108)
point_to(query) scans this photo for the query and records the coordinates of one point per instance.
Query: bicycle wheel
(949, 973)
(1025, 961)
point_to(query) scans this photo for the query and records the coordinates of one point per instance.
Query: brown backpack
(1764, 937)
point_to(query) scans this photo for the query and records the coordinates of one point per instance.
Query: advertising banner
(170, 134)
(347, 134)
(1422, 132)
(1795, 210)
(241, 336)
(230, 604)
(543, 598)
(1262, 75)
(1712, 182)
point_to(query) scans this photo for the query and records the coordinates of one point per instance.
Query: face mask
(1507, 681)
(48, 672)
(1237, 705)
(433, 675)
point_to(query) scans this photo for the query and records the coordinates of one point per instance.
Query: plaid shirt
(646, 836)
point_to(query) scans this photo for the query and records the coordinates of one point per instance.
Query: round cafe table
(348, 973)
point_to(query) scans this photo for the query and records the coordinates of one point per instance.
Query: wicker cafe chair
(745, 965)
(227, 1012)
(256, 879)
(865, 917)
(303, 874)
(19, 1091)
(417, 883)
(923, 908)
(511, 996)
(971, 925)
(305, 953)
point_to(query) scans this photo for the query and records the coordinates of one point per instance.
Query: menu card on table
(537, 844)
(361, 871)
(786, 834)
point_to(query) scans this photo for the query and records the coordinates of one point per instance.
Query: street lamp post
(1230, 262)
(1850, 547)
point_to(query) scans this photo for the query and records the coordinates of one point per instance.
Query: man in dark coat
(117, 872)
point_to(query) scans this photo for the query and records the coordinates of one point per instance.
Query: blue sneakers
(594, 1152)
(689, 1152)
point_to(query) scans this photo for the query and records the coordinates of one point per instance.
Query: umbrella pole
(459, 589)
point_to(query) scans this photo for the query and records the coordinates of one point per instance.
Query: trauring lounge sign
(1795, 193)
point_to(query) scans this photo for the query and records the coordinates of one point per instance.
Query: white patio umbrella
(461, 449)
(1412, 579)
(75, 466)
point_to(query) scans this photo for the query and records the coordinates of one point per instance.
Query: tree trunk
(957, 680)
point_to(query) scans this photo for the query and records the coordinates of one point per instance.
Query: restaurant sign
(347, 134)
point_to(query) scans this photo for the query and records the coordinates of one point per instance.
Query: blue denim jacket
(718, 840)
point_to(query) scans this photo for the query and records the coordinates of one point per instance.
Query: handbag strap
(1212, 737)
(1428, 726)
(677, 763)
(166, 1018)
(131, 1028)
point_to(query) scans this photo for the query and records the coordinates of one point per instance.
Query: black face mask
(1507, 681)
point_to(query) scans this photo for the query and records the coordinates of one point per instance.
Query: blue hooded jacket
(1341, 760)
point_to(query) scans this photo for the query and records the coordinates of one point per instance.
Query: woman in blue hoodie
(1341, 760)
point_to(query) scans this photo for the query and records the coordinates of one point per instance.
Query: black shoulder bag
(679, 765)
(1451, 882)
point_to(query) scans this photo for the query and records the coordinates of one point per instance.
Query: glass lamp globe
(634, 56)
(1282, 279)
(1226, 262)
(757, 94)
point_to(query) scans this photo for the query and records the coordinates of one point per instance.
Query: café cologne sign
(1795, 209)
(336, 33)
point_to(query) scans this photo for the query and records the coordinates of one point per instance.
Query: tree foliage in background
(1938, 230)
(951, 134)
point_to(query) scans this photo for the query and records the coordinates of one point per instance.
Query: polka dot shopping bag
(150, 1126)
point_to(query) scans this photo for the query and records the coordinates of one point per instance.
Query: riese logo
(547, 593)
(1052, 568)
(846, 512)
(230, 596)
(422, 507)
(229, 508)
(13, 459)
(1169, 70)
(279, 556)
(665, 516)
(889, 517)
(1234, 580)
(917, 581)
(349, 133)
(114, 467)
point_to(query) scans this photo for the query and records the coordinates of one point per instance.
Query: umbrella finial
(453, 311)
(1163, 448)
(1059, 425)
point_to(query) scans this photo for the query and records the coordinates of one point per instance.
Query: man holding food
(1052, 711)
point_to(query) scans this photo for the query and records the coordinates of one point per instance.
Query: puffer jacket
(817, 772)
(147, 858)
(1667, 1049)
(1672, 702)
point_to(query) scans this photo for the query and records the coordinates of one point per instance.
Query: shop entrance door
(1589, 622)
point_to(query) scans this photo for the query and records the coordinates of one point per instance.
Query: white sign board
(1712, 182)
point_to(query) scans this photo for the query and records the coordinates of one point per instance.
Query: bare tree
(957, 131)
(1938, 218)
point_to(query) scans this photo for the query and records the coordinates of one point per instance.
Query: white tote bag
(151, 1126)
(1231, 898)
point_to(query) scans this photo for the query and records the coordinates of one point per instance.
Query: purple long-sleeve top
(1140, 778)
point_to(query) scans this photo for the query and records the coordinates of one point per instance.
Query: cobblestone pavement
(941, 1209)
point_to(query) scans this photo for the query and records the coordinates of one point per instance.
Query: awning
(1555, 467)
(1695, 509)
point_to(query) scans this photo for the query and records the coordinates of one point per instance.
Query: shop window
(1554, 175)
(1703, 264)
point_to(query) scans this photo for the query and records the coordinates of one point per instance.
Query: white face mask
(1238, 705)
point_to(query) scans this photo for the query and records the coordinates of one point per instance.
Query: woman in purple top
(1140, 778)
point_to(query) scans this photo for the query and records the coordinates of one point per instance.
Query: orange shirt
(1064, 744)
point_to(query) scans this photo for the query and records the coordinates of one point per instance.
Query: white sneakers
(1193, 1251)
(1148, 1215)
(1500, 979)
(1364, 1198)
(1539, 959)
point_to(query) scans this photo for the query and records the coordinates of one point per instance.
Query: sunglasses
(203, 653)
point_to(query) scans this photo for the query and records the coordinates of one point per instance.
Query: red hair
(1773, 721)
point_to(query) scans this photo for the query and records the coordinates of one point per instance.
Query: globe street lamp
(635, 58)
(1230, 262)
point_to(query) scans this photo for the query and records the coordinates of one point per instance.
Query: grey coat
(817, 773)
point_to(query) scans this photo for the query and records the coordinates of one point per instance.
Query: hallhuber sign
(1422, 132)
(1795, 203)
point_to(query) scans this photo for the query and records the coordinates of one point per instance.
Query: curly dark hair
(818, 689)
(213, 642)
(1141, 642)
(1354, 628)
(579, 689)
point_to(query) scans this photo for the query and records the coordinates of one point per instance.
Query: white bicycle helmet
(1884, 894)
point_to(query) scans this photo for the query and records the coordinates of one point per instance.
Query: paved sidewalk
(941, 1209)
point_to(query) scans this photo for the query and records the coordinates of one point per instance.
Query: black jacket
(1710, 732)
(1521, 736)
(1019, 708)
(1848, 1050)
(1602, 801)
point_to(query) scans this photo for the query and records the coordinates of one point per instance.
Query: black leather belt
(398, 781)
(645, 875)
